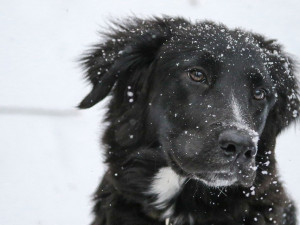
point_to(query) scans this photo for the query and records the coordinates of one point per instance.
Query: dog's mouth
(231, 176)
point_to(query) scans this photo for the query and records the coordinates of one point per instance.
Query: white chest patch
(165, 185)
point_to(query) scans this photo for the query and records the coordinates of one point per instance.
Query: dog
(194, 113)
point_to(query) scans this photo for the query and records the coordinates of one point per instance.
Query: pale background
(50, 160)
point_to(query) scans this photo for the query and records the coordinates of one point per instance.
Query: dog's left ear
(282, 70)
(130, 48)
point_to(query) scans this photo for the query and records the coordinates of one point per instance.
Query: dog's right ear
(129, 46)
(282, 70)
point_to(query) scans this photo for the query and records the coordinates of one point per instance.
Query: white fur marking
(166, 184)
(237, 112)
(240, 123)
(219, 182)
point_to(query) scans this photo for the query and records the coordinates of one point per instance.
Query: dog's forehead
(225, 46)
(217, 40)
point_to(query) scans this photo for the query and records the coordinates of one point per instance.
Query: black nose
(236, 144)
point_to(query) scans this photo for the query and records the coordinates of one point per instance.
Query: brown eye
(260, 94)
(197, 75)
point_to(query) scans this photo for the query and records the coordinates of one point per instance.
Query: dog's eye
(197, 75)
(260, 94)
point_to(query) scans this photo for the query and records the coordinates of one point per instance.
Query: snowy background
(50, 160)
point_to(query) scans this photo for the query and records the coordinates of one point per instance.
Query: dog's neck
(175, 199)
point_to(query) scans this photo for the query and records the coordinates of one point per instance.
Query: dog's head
(207, 94)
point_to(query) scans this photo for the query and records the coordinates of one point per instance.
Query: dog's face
(205, 93)
(212, 103)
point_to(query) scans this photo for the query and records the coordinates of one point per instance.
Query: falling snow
(70, 158)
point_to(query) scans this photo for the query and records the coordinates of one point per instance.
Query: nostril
(248, 154)
(229, 150)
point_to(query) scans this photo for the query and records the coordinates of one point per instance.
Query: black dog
(193, 119)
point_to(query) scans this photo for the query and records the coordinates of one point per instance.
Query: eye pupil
(259, 94)
(197, 75)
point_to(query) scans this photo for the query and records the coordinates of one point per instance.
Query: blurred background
(51, 156)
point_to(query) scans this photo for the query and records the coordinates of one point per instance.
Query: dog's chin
(223, 179)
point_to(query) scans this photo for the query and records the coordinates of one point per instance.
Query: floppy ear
(282, 70)
(130, 46)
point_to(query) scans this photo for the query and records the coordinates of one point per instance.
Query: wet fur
(126, 58)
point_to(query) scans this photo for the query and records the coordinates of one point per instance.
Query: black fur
(159, 117)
